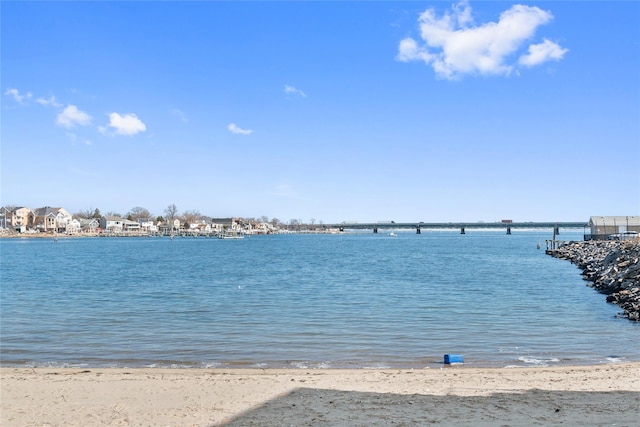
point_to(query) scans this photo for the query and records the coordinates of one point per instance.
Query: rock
(611, 267)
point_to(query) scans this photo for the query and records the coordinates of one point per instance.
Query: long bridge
(462, 226)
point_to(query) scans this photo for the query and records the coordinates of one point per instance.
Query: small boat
(392, 234)
(231, 235)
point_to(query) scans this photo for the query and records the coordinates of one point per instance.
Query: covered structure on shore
(614, 227)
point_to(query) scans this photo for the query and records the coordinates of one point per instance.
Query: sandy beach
(454, 395)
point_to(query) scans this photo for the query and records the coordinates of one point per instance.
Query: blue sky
(336, 111)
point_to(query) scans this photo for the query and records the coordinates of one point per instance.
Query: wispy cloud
(74, 138)
(51, 102)
(124, 124)
(17, 96)
(238, 131)
(71, 117)
(179, 114)
(284, 190)
(290, 90)
(454, 46)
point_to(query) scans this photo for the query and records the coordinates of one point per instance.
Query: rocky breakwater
(611, 267)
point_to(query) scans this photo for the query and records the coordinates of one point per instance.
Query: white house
(111, 223)
(89, 225)
(146, 224)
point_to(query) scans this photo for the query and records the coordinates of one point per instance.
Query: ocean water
(358, 300)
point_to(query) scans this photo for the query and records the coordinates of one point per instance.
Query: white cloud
(454, 46)
(127, 124)
(543, 52)
(49, 102)
(238, 131)
(290, 90)
(409, 51)
(71, 117)
(15, 93)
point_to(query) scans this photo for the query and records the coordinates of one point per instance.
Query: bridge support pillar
(375, 230)
(556, 230)
(508, 230)
(462, 230)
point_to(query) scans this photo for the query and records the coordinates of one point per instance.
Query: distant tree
(190, 217)
(96, 214)
(86, 214)
(129, 217)
(312, 221)
(171, 212)
(139, 212)
(113, 213)
(275, 221)
(294, 224)
(159, 219)
(264, 219)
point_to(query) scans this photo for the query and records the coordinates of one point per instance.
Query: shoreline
(590, 395)
(470, 362)
(610, 267)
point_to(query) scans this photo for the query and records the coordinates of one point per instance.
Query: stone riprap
(611, 267)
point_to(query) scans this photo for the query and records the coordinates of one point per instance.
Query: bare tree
(190, 217)
(139, 212)
(85, 213)
(170, 213)
(294, 224)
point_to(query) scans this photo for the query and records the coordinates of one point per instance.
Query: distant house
(20, 218)
(262, 228)
(146, 224)
(201, 227)
(5, 217)
(230, 224)
(73, 227)
(130, 225)
(89, 225)
(111, 223)
(51, 219)
(606, 227)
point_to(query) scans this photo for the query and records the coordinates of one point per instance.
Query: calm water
(356, 300)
